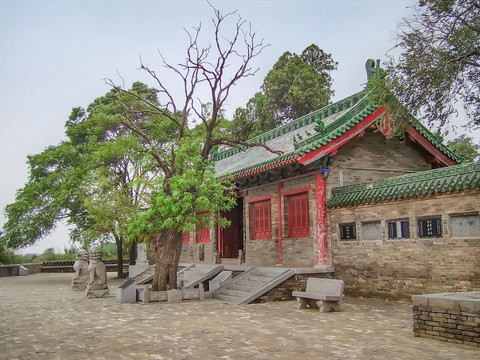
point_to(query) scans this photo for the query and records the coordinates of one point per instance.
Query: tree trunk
(132, 253)
(119, 242)
(167, 246)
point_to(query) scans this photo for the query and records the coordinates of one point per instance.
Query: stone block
(127, 292)
(93, 294)
(79, 286)
(23, 271)
(174, 295)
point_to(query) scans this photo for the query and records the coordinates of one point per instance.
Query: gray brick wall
(397, 269)
(446, 325)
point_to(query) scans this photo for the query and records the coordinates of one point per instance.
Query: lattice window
(348, 232)
(262, 220)
(398, 229)
(430, 227)
(186, 237)
(203, 229)
(298, 216)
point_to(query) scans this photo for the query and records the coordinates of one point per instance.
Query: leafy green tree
(466, 147)
(297, 85)
(439, 63)
(52, 194)
(93, 181)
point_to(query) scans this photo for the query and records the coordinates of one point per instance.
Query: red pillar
(280, 227)
(321, 200)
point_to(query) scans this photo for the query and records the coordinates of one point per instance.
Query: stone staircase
(251, 284)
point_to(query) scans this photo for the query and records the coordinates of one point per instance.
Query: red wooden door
(231, 238)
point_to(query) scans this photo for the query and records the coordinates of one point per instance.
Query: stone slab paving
(42, 318)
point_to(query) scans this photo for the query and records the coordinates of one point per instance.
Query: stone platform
(43, 318)
(449, 317)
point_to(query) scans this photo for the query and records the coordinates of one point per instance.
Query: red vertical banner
(321, 200)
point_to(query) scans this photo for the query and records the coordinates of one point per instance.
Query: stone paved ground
(42, 318)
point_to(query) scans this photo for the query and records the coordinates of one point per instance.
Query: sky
(55, 55)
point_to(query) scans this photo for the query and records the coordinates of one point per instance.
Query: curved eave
(264, 166)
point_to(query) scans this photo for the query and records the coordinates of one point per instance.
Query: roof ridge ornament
(320, 125)
(373, 69)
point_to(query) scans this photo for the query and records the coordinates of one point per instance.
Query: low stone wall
(8, 270)
(12, 270)
(66, 266)
(34, 268)
(450, 317)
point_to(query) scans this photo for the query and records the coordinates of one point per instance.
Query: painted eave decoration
(438, 181)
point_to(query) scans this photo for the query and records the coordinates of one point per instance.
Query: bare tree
(207, 77)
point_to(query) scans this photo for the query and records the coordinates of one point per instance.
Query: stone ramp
(195, 274)
(251, 284)
(145, 276)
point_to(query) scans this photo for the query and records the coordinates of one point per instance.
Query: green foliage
(51, 255)
(93, 180)
(109, 250)
(465, 147)
(52, 194)
(438, 68)
(297, 85)
(194, 190)
(381, 93)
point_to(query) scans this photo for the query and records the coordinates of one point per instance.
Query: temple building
(392, 216)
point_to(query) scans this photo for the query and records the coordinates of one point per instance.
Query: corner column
(280, 226)
(321, 207)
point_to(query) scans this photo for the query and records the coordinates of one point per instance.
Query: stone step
(192, 274)
(259, 278)
(228, 298)
(237, 293)
(242, 287)
(246, 282)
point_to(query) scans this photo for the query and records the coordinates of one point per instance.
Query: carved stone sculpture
(97, 282)
(82, 275)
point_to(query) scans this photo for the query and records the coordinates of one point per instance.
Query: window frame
(379, 227)
(202, 233)
(261, 226)
(186, 238)
(464, 215)
(437, 223)
(298, 215)
(351, 225)
(399, 224)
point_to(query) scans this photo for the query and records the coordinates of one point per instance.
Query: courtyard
(42, 318)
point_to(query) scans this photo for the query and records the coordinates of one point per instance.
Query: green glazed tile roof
(296, 124)
(434, 139)
(300, 136)
(337, 128)
(437, 181)
(284, 138)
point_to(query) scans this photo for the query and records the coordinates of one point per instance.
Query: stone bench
(322, 294)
